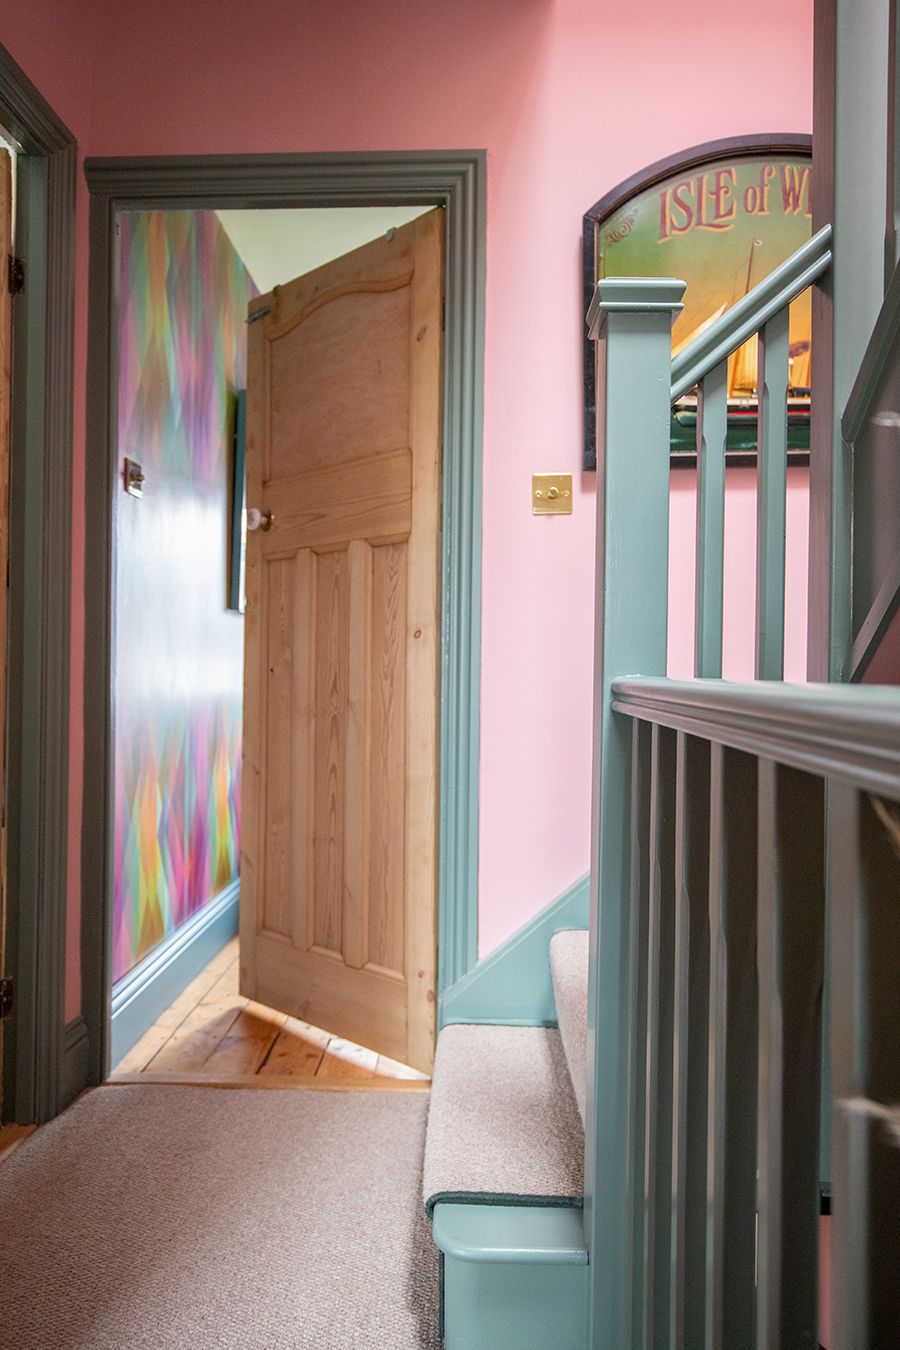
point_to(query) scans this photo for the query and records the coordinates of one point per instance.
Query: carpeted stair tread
(503, 1123)
(569, 971)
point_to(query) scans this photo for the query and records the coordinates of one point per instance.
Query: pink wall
(568, 97)
(739, 633)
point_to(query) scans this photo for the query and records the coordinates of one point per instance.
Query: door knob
(259, 520)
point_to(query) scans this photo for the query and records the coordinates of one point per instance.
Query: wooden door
(338, 859)
(6, 244)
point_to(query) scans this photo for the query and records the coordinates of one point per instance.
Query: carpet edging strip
(501, 1198)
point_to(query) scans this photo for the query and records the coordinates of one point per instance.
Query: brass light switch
(551, 494)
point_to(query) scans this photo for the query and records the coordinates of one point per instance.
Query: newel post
(631, 318)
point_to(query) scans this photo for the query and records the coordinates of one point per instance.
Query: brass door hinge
(7, 996)
(16, 275)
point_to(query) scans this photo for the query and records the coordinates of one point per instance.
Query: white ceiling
(276, 246)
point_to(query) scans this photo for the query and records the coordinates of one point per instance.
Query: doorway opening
(336, 417)
(212, 1034)
(338, 574)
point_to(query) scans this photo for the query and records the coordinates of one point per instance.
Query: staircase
(503, 1174)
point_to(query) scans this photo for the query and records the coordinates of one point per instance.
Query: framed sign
(720, 217)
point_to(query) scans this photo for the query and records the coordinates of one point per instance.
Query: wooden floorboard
(277, 1082)
(343, 1059)
(11, 1136)
(212, 1035)
(297, 1051)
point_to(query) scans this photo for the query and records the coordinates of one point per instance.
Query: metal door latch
(133, 475)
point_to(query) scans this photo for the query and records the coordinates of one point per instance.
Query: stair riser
(514, 1307)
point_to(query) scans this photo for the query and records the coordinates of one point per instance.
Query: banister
(874, 363)
(846, 732)
(788, 280)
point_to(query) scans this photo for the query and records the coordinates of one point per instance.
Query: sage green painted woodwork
(892, 196)
(712, 433)
(514, 1277)
(38, 1053)
(875, 361)
(503, 1234)
(512, 986)
(640, 884)
(690, 1078)
(784, 761)
(789, 957)
(876, 553)
(74, 1067)
(156, 982)
(763, 310)
(752, 312)
(850, 131)
(845, 733)
(455, 180)
(771, 510)
(656, 1265)
(731, 1101)
(632, 319)
(864, 880)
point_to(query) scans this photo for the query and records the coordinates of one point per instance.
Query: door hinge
(16, 275)
(7, 996)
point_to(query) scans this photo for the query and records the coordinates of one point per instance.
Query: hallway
(169, 1217)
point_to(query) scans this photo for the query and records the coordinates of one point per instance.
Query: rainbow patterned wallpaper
(183, 295)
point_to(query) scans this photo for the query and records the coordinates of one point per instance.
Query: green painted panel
(513, 985)
(632, 320)
(514, 1278)
(499, 1234)
(40, 589)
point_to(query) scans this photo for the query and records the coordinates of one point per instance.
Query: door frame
(454, 180)
(43, 1058)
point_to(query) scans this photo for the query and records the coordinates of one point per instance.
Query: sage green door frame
(454, 180)
(39, 1050)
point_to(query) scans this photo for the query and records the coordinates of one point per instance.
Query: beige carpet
(184, 1218)
(569, 971)
(504, 1125)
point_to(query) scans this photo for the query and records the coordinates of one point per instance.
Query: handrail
(751, 312)
(878, 352)
(845, 732)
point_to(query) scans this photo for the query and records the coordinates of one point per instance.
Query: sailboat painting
(721, 224)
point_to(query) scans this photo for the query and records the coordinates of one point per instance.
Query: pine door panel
(338, 882)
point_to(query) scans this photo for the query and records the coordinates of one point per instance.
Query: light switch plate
(551, 494)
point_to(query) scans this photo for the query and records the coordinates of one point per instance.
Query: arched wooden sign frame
(683, 163)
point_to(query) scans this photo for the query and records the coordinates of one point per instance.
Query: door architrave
(43, 1056)
(455, 180)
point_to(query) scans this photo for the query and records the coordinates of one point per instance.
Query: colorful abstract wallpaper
(183, 296)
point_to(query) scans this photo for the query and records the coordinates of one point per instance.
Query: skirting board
(145, 992)
(75, 1061)
(512, 986)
